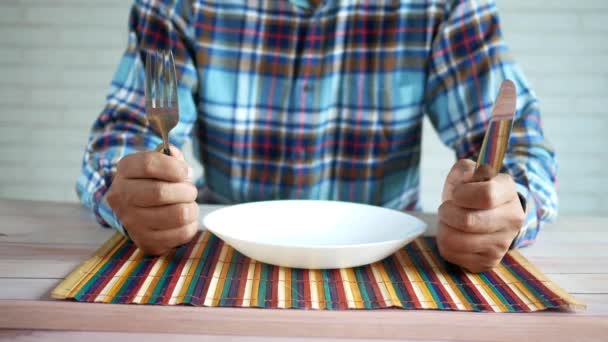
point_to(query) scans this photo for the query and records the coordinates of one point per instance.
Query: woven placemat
(208, 272)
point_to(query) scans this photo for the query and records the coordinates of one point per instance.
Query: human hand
(480, 217)
(153, 197)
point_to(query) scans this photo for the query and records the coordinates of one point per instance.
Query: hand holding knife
(481, 214)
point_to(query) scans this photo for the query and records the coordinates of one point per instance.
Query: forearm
(534, 172)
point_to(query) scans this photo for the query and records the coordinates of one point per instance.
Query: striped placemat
(209, 272)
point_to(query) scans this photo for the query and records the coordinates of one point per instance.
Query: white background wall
(57, 58)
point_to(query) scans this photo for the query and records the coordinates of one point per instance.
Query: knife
(496, 139)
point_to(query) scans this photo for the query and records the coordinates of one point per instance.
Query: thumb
(175, 152)
(461, 172)
(483, 173)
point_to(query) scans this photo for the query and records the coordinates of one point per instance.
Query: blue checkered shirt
(283, 100)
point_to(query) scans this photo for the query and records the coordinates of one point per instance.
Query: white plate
(313, 234)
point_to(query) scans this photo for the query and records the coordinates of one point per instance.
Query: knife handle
(483, 173)
(493, 149)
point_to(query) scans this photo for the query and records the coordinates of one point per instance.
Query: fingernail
(190, 173)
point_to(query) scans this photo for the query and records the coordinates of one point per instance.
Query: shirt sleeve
(122, 128)
(468, 63)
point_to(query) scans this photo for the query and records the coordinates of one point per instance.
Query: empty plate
(313, 234)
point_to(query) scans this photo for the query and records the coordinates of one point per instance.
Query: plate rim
(420, 231)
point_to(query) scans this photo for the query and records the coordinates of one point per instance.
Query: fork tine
(157, 84)
(173, 80)
(165, 75)
(148, 78)
(153, 81)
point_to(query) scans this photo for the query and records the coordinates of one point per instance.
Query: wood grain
(26, 288)
(41, 242)
(100, 336)
(384, 324)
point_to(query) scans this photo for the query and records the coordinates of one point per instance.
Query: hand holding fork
(152, 193)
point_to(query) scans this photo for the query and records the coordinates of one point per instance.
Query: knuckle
(189, 232)
(463, 161)
(196, 210)
(496, 253)
(490, 260)
(519, 220)
(147, 163)
(159, 191)
(129, 223)
(442, 210)
(182, 216)
(123, 165)
(462, 164)
(185, 234)
(112, 197)
(192, 192)
(503, 247)
(486, 196)
(469, 221)
(490, 264)
(193, 228)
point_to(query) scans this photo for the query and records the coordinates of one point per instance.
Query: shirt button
(307, 87)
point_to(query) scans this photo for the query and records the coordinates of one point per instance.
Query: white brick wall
(56, 61)
(57, 57)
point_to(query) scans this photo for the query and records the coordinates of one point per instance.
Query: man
(320, 100)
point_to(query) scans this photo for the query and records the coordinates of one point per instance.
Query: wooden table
(41, 242)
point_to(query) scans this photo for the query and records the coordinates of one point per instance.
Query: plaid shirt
(283, 100)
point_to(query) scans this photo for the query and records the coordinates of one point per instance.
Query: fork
(162, 109)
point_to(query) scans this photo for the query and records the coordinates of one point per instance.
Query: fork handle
(164, 149)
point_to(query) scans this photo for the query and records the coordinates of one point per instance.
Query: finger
(454, 240)
(175, 152)
(464, 260)
(174, 237)
(152, 193)
(493, 245)
(159, 242)
(153, 165)
(471, 262)
(168, 217)
(472, 220)
(485, 195)
(475, 263)
(461, 172)
(449, 254)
